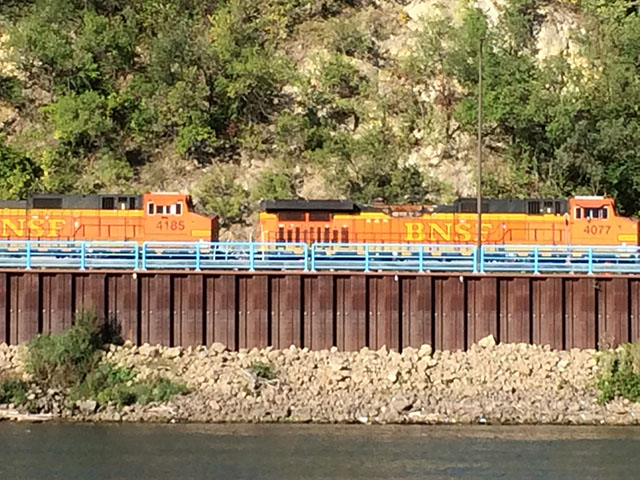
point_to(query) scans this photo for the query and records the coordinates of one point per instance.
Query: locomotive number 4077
(597, 229)
(174, 225)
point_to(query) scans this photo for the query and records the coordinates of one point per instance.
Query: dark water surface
(316, 451)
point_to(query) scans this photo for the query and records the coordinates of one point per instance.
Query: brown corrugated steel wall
(350, 311)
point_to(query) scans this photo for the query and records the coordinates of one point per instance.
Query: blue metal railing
(363, 257)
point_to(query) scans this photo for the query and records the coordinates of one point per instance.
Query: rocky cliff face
(411, 104)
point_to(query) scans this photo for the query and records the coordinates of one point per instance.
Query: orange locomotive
(577, 221)
(148, 217)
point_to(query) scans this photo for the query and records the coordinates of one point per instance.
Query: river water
(316, 451)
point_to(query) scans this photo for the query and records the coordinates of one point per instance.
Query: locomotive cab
(170, 217)
(594, 221)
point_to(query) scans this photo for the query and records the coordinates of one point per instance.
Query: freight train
(577, 221)
(171, 217)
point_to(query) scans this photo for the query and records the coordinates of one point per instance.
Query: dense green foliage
(620, 373)
(13, 391)
(70, 362)
(131, 95)
(118, 385)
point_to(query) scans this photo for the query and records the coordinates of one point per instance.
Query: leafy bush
(18, 173)
(619, 374)
(118, 385)
(264, 370)
(13, 391)
(220, 194)
(64, 360)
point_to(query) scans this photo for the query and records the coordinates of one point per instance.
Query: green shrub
(264, 370)
(220, 194)
(13, 391)
(620, 373)
(109, 383)
(64, 360)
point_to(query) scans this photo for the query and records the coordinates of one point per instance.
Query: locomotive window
(345, 235)
(319, 216)
(122, 203)
(558, 208)
(280, 234)
(291, 216)
(548, 207)
(179, 208)
(108, 203)
(534, 208)
(297, 234)
(162, 209)
(578, 212)
(334, 237)
(151, 208)
(132, 203)
(605, 212)
(326, 234)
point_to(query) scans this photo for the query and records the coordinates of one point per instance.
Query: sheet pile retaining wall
(348, 310)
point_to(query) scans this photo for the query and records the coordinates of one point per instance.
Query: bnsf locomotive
(577, 221)
(152, 216)
(170, 217)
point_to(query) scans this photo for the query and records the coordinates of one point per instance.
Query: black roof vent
(308, 205)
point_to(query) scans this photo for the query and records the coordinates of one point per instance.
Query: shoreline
(505, 384)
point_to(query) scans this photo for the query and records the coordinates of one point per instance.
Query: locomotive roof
(308, 205)
(75, 201)
(461, 205)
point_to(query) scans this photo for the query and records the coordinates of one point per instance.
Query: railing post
(536, 260)
(83, 255)
(28, 253)
(144, 255)
(366, 257)
(421, 259)
(590, 264)
(136, 253)
(474, 258)
(305, 250)
(198, 256)
(313, 257)
(252, 257)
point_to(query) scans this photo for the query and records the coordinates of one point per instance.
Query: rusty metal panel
(351, 314)
(155, 311)
(547, 311)
(57, 302)
(188, 320)
(286, 320)
(384, 309)
(122, 305)
(482, 308)
(4, 309)
(89, 293)
(253, 312)
(449, 313)
(613, 312)
(417, 311)
(221, 301)
(515, 320)
(580, 316)
(634, 304)
(319, 309)
(24, 308)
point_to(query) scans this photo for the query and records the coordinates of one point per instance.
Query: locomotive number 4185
(173, 225)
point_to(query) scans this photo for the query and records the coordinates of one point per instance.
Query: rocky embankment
(506, 383)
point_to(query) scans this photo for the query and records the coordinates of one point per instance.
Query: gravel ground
(505, 384)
